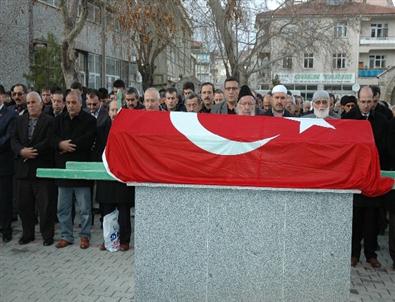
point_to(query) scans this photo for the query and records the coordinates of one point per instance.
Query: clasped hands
(67, 146)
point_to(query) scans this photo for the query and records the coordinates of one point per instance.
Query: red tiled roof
(321, 8)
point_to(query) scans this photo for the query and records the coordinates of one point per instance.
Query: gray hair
(76, 94)
(320, 95)
(153, 90)
(36, 95)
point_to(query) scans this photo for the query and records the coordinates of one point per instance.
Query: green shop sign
(317, 78)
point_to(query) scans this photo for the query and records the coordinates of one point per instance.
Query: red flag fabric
(211, 149)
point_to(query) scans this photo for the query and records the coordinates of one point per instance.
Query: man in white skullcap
(321, 106)
(278, 101)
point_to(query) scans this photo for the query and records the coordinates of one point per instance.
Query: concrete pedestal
(232, 244)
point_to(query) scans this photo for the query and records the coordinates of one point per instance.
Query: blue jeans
(65, 204)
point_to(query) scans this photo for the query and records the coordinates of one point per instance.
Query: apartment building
(368, 34)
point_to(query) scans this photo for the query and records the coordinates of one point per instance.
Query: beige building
(363, 48)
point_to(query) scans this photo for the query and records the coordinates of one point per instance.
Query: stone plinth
(239, 244)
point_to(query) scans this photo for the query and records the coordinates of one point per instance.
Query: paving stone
(37, 273)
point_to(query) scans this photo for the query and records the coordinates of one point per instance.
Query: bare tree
(246, 43)
(151, 26)
(74, 14)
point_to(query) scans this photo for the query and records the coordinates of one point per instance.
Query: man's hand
(28, 153)
(66, 146)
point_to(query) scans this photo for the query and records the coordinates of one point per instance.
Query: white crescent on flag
(189, 125)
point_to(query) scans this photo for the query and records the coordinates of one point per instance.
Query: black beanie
(244, 90)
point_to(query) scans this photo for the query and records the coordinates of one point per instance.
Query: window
(308, 60)
(332, 87)
(133, 79)
(93, 13)
(379, 30)
(339, 61)
(54, 3)
(81, 67)
(94, 69)
(113, 71)
(341, 29)
(376, 61)
(287, 62)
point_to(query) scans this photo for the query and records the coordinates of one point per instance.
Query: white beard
(321, 113)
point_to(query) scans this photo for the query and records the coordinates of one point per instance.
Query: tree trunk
(68, 64)
(243, 78)
(73, 24)
(147, 75)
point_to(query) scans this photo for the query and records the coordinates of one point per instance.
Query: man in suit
(366, 210)
(228, 106)
(103, 122)
(75, 132)
(278, 101)
(31, 143)
(18, 94)
(7, 117)
(379, 107)
(58, 104)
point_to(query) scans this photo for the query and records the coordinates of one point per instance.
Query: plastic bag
(111, 231)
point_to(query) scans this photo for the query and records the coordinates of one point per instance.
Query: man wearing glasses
(321, 108)
(18, 94)
(228, 106)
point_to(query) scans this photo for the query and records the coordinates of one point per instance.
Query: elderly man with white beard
(246, 104)
(321, 106)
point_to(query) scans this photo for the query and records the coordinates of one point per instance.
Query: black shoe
(7, 238)
(48, 242)
(23, 240)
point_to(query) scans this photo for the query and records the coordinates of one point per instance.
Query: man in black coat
(75, 132)
(103, 122)
(366, 210)
(278, 100)
(7, 117)
(31, 143)
(377, 107)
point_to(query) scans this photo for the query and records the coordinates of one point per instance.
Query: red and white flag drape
(210, 149)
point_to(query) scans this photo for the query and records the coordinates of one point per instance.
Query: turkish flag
(211, 149)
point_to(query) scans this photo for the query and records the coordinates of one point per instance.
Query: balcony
(369, 73)
(366, 40)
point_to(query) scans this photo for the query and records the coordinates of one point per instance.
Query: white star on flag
(306, 123)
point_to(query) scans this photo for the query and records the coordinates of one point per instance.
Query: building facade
(176, 62)
(203, 62)
(104, 52)
(368, 35)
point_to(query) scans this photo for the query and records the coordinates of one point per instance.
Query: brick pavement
(32, 272)
(36, 273)
(378, 285)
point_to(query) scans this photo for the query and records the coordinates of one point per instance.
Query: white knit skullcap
(279, 88)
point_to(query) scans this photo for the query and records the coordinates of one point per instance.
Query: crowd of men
(50, 128)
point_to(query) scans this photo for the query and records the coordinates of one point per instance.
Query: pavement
(33, 272)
